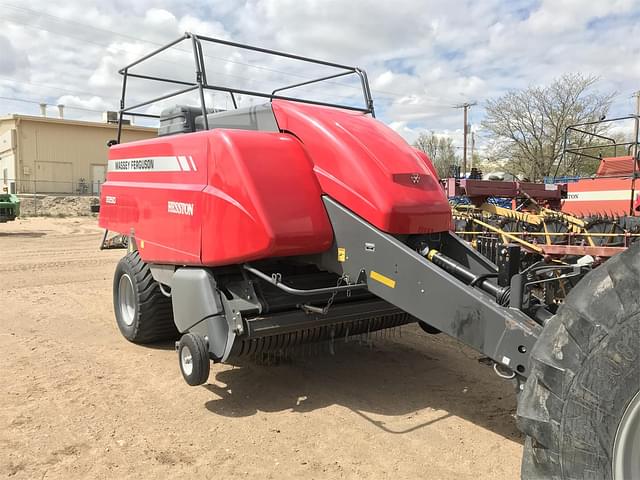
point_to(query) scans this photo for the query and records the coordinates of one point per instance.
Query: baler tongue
(450, 288)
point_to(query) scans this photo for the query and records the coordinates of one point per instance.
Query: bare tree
(440, 150)
(529, 125)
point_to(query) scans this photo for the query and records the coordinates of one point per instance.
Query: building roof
(66, 121)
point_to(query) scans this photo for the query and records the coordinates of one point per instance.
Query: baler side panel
(215, 198)
(153, 188)
(599, 196)
(264, 198)
(368, 167)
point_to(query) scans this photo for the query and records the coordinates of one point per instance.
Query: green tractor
(9, 205)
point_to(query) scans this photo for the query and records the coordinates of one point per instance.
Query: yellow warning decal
(378, 277)
(342, 254)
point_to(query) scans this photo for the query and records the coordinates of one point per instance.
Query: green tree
(528, 126)
(440, 150)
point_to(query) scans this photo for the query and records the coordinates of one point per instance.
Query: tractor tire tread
(593, 312)
(155, 317)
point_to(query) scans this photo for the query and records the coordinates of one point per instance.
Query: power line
(110, 46)
(162, 60)
(24, 100)
(430, 103)
(151, 42)
(137, 39)
(51, 87)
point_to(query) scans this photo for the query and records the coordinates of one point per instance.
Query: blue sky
(423, 57)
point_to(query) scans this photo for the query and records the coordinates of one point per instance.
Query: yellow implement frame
(576, 226)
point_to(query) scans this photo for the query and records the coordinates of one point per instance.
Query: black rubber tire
(197, 346)
(428, 328)
(153, 317)
(585, 370)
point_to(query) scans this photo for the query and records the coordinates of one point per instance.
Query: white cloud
(158, 17)
(422, 59)
(562, 15)
(89, 103)
(10, 60)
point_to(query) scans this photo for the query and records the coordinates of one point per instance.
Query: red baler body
(225, 196)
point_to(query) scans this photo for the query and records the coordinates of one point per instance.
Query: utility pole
(465, 106)
(473, 148)
(636, 124)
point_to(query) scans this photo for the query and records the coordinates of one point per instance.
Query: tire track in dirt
(75, 263)
(79, 401)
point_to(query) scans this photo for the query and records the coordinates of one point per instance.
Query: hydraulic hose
(448, 264)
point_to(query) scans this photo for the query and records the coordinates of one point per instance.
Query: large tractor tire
(143, 313)
(580, 407)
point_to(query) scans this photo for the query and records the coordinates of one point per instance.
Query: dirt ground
(56, 205)
(78, 401)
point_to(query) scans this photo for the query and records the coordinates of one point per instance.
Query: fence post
(35, 198)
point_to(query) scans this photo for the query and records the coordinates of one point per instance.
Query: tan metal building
(55, 155)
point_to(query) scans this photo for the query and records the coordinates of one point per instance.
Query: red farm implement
(260, 228)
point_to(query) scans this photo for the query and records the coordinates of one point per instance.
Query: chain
(326, 308)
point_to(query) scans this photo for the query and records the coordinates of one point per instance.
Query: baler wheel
(193, 356)
(428, 328)
(580, 407)
(143, 313)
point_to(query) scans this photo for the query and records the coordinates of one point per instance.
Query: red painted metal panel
(599, 196)
(582, 250)
(612, 166)
(142, 178)
(229, 196)
(262, 199)
(367, 167)
(479, 190)
(235, 196)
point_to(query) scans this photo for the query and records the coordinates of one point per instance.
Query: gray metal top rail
(201, 83)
